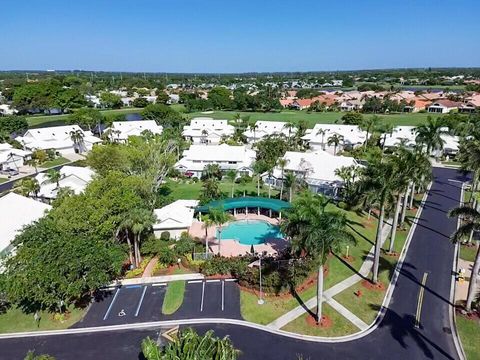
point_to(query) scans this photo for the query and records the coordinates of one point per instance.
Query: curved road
(395, 338)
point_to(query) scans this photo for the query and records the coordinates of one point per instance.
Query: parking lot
(142, 303)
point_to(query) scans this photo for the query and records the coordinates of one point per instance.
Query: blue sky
(238, 36)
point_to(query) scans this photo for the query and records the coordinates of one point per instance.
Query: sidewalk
(157, 279)
(461, 289)
(336, 289)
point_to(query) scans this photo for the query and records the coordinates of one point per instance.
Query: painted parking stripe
(194, 281)
(203, 294)
(111, 304)
(160, 284)
(141, 301)
(213, 281)
(230, 280)
(223, 295)
(132, 286)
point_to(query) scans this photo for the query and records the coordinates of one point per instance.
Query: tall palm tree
(254, 128)
(471, 222)
(138, 221)
(77, 138)
(219, 217)
(207, 222)
(469, 158)
(316, 233)
(54, 176)
(368, 125)
(322, 132)
(290, 180)
(281, 163)
(335, 140)
(204, 136)
(232, 176)
(430, 134)
(27, 187)
(385, 129)
(379, 180)
(289, 126)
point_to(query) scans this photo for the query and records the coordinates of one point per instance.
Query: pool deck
(233, 247)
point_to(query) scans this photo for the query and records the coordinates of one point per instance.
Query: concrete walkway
(157, 279)
(149, 268)
(336, 289)
(461, 289)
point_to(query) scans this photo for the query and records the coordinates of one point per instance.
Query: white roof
(222, 152)
(352, 134)
(265, 128)
(211, 126)
(74, 177)
(178, 214)
(17, 211)
(318, 165)
(7, 149)
(135, 128)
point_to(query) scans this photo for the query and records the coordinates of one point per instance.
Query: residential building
(121, 130)
(316, 168)
(265, 128)
(317, 138)
(204, 130)
(6, 109)
(174, 218)
(238, 158)
(11, 158)
(75, 178)
(443, 106)
(17, 212)
(58, 138)
(351, 105)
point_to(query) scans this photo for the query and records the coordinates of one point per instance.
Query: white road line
(214, 280)
(141, 301)
(223, 295)
(109, 288)
(195, 281)
(161, 284)
(420, 300)
(230, 280)
(203, 294)
(111, 305)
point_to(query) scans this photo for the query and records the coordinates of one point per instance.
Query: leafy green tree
(316, 232)
(352, 118)
(162, 97)
(212, 171)
(470, 222)
(140, 102)
(111, 101)
(31, 356)
(27, 187)
(220, 98)
(164, 115)
(13, 124)
(86, 117)
(189, 345)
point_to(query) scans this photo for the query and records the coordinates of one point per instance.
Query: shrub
(165, 236)
(167, 256)
(184, 245)
(153, 246)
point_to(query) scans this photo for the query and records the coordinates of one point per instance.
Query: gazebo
(248, 205)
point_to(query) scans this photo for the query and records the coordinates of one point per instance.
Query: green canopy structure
(246, 203)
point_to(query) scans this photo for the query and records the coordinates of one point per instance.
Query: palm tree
(258, 168)
(189, 345)
(430, 134)
(232, 176)
(281, 163)
(254, 128)
(77, 138)
(379, 180)
(335, 140)
(471, 222)
(289, 126)
(124, 227)
(138, 221)
(322, 132)
(469, 158)
(27, 187)
(204, 136)
(315, 232)
(54, 176)
(33, 161)
(385, 129)
(368, 125)
(219, 217)
(289, 180)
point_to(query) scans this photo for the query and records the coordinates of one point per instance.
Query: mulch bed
(371, 286)
(325, 322)
(392, 254)
(349, 258)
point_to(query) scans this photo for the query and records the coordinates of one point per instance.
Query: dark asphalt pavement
(396, 337)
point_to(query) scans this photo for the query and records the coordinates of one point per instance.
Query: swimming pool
(250, 232)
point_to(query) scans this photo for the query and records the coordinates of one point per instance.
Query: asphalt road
(396, 337)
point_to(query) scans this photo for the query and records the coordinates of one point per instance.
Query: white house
(11, 158)
(239, 158)
(73, 177)
(265, 128)
(317, 138)
(351, 105)
(16, 212)
(204, 130)
(174, 218)
(405, 135)
(58, 138)
(121, 130)
(317, 169)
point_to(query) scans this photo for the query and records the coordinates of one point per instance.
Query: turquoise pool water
(250, 232)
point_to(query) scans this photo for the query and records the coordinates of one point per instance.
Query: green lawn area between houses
(469, 332)
(52, 163)
(468, 252)
(14, 320)
(2, 180)
(173, 297)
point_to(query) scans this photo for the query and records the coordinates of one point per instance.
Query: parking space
(151, 307)
(125, 305)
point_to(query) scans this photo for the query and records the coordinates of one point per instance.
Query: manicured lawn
(468, 252)
(173, 297)
(2, 180)
(469, 331)
(58, 161)
(312, 118)
(55, 120)
(14, 320)
(187, 189)
(340, 325)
